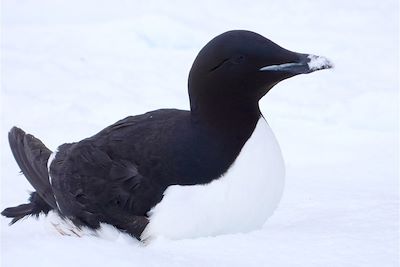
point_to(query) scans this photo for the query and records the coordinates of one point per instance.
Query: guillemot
(215, 169)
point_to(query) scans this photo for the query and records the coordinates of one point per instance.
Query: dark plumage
(119, 174)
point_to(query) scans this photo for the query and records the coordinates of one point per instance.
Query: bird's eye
(238, 59)
(219, 64)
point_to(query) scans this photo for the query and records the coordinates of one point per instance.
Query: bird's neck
(230, 116)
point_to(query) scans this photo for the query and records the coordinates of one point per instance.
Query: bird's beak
(304, 63)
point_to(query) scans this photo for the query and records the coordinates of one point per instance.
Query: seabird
(214, 169)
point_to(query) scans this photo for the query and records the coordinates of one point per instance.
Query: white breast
(239, 201)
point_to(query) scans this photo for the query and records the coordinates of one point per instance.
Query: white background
(70, 68)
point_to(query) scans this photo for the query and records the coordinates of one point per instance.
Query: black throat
(229, 115)
(221, 127)
(222, 106)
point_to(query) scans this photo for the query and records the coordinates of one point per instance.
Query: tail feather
(32, 156)
(17, 212)
(34, 208)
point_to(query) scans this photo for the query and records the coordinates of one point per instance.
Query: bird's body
(130, 164)
(239, 201)
(212, 170)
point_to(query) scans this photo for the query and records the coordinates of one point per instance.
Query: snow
(70, 68)
(238, 202)
(318, 63)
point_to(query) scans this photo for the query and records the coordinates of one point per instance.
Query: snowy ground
(70, 68)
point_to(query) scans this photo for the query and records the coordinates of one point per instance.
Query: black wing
(119, 174)
(91, 187)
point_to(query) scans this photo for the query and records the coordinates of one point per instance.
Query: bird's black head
(237, 68)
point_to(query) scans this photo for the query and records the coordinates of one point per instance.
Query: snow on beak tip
(319, 63)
